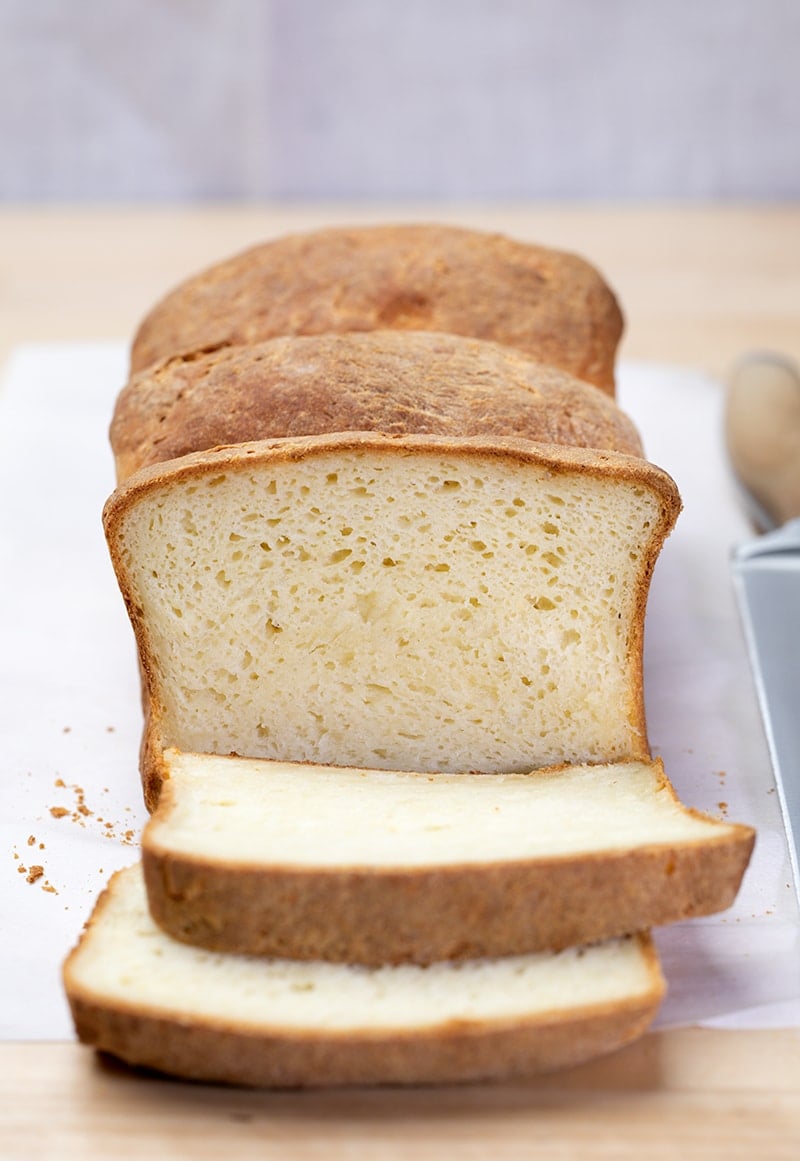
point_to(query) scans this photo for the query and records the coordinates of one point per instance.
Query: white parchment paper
(70, 802)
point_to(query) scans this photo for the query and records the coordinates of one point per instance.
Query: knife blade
(762, 428)
(766, 577)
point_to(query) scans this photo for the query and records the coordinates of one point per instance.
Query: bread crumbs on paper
(80, 812)
(34, 874)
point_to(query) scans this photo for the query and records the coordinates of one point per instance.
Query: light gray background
(130, 100)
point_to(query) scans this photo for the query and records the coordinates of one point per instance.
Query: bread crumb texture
(245, 811)
(410, 611)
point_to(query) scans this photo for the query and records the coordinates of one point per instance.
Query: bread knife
(763, 430)
(766, 574)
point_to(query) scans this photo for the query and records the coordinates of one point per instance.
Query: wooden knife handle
(762, 429)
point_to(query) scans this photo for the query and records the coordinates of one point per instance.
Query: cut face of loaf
(410, 604)
(386, 381)
(151, 1001)
(369, 866)
(553, 306)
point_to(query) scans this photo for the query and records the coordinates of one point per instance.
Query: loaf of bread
(152, 1001)
(551, 305)
(417, 383)
(387, 560)
(372, 866)
(409, 603)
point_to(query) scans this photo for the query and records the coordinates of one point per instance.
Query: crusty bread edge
(453, 1054)
(223, 1051)
(185, 404)
(601, 372)
(555, 458)
(374, 915)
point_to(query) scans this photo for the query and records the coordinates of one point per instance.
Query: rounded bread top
(552, 305)
(384, 381)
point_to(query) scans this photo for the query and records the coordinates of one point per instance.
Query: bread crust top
(552, 305)
(387, 381)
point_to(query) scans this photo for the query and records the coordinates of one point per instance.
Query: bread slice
(406, 603)
(151, 1001)
(372, 866)
(395, 383)
(554, 306)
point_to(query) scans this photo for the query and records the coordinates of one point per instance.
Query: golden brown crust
(420, 383)
(221, 1051)
(453, 1054)
(421, 915)
(552, 305)
(245, 456)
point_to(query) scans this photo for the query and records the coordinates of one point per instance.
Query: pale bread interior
(245, 811)
(125, 961)
(437, 611)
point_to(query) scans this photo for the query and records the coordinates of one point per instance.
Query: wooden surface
(699, 286)
(689, 1094)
